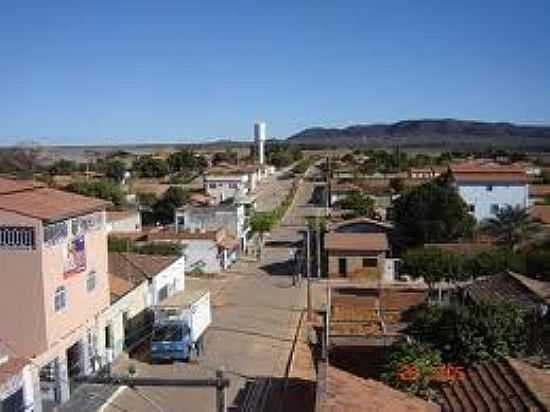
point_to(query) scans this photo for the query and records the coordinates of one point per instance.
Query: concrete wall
(129, 224)
(133, 304)
(173, 277)
(232, 219)
(225, 187)
(202, 254)
(82, 305)
(482, 198)
(354, 263)
(22, 314)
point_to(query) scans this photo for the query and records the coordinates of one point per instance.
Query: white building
(125, 221)
(228, 184)
(19, 384)
(487, 189)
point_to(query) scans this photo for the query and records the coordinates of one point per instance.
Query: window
(342, 266)
(60, 298)
(494, 208)
(370, 262)
(13, 237)
(471, 208)
(489, 188)
(90, 281)
(234, 185)
(212, 185)
(163, 293)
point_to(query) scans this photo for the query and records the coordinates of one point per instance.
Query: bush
(103, 189)
(467, 334)
(163, 249)
(417, 357)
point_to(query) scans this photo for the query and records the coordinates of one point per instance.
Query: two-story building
(226, 184)
(487, 188)
(212, 218)
(53, 259)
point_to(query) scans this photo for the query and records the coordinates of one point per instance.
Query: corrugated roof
(356, 241)
(488, 386)
(49, 204)
(504, 288)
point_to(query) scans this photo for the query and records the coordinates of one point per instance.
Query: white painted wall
(173, 277)
(202, 253)
(482, 199)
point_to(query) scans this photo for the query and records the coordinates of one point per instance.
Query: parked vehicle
(179, 326)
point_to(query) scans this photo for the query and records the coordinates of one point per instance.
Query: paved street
(256, 311)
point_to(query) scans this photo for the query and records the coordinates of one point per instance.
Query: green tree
(63, 167)
(512, 227)
(115, 169)
(103, 189)
(186, 161)
(397, 184)
(433, 265)
(472, 333)
(147, 166)
(423, 358)
(361, 204)
(432, 213)
(261, 223)
(165, 208)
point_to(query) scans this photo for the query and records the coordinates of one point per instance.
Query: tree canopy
(147, 166)
(512, 226)
(432, 213)
(115, 169)
(103, 189)
(360, 204)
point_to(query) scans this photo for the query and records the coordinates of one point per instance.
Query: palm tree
(512, 226)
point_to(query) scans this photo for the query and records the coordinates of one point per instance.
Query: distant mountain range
(428, 132)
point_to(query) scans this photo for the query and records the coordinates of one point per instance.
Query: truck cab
(171, 340)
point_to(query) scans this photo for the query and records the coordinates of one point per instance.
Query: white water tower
(259, 138)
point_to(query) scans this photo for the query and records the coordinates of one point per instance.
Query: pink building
(53, 259)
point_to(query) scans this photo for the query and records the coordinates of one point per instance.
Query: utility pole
(318, 242)
(308, 275)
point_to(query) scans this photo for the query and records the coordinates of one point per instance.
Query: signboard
(75, 257)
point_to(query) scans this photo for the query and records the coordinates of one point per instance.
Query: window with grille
(17, 237)
(60, 298)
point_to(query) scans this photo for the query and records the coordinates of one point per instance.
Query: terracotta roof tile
(347, 392)
(539, 190)
(493, 385)
(12, 185)
(356, 241)
(136, 268)
(49, 204)
(119, 287)
(541, 212)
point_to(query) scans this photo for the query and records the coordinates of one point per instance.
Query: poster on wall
(75, 257)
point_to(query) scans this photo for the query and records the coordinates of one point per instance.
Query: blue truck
(179, 324)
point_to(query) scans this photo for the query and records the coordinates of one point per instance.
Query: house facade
(126, 221)
(228, 185)
(358, 256)
(205, 219)
(488, 189)
(53, 248)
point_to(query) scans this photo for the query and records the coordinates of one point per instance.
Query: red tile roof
(136, 268)
(49, 204)
(119, 287)
(356, 241)
(492, 385)
(8, 185)
(542, 213)
(349, 393)
(539, 190)
(476, 173)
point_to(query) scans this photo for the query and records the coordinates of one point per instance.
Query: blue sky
(102, 71)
